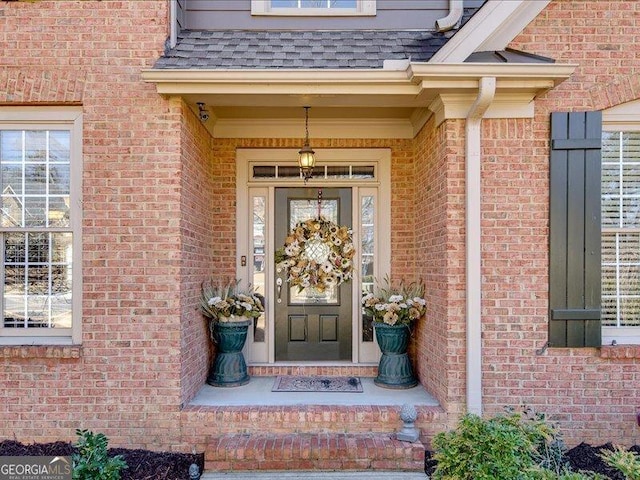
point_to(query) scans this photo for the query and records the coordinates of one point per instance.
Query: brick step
(320, 451)
(314, 370)
(312, 419)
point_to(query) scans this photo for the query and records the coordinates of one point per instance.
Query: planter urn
(394, 370)
(229, 368)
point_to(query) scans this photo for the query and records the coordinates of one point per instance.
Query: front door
(309, 325)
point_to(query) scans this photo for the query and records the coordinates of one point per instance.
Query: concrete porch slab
(258, 392)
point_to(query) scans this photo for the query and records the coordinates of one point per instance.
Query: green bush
(514, 446)
(625, 461)
(544, 474)
(92, 462)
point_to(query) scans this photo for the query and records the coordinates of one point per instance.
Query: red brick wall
(592, 397)
(199, 240)
(125, 380)
(440, 341)
(159, 216)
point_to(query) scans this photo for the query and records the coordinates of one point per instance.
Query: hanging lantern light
(306, 158)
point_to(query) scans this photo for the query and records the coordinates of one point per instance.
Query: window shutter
(574, 262)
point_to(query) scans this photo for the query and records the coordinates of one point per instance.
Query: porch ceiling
(406, 97)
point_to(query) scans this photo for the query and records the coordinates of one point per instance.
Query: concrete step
(313, 452)
(307, 475)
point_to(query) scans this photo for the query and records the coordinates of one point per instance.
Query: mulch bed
(583, 457)
(147, 465)
(143, 464)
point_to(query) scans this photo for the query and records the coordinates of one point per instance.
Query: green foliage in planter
(517, 446)
(625, 461)
(92, 462)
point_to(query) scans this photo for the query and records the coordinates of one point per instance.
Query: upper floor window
(313, 7)
(40, 219)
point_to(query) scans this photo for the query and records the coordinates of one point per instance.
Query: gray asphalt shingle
(298, 49)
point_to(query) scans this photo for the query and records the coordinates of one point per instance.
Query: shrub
(625, 461)
(515, 446)
(92, 462)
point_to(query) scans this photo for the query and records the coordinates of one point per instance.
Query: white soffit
(493, 27)
(447, 90)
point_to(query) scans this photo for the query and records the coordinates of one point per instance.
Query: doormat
(289, 383)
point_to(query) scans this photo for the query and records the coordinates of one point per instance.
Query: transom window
(313, 7)
(327, 172)
(39, 230)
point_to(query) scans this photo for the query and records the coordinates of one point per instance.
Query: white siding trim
(496, 24)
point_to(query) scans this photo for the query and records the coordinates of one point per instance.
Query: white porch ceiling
(259, 103)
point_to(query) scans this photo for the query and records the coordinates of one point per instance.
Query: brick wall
(125, 379)
(592, 393)
(159, 217)
(440, 340)
(199, 239)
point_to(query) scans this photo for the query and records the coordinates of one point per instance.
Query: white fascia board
(290, 76)
(523, 74)
(493, 27)
(409, 81)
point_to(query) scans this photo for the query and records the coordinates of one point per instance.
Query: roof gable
(492, 28)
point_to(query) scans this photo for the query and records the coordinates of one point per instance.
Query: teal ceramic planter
(394, 370)
(229, 368)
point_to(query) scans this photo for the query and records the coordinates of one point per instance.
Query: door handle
(279, 289)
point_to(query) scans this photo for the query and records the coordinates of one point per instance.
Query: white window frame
(626, 118)
(363, 8)
(55, 118)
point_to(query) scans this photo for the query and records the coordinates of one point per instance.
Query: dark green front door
(311, 326)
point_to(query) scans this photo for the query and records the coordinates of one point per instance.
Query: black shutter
(574, 270)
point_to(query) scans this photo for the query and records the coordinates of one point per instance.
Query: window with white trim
(313, 7)
(621, 224)
(40, 178)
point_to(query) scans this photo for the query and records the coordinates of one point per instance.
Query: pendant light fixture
(306, 158)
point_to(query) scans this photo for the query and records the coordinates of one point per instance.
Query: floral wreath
(317, 253)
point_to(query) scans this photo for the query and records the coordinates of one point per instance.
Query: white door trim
(363, 352)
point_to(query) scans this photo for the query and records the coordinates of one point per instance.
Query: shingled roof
(298, 49)
(268, 49)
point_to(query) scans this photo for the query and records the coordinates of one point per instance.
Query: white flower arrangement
(225, 303)
(396, 306)
(317, 254)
